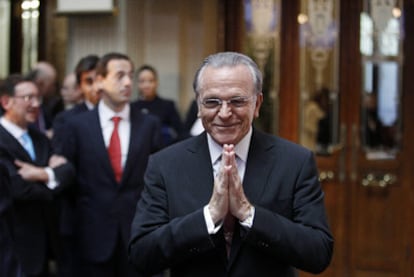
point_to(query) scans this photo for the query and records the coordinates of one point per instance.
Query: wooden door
(369, 197)
(369, 200)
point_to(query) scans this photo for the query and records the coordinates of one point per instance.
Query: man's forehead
(119, 65)
(26, 86)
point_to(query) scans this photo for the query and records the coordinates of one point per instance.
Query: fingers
(228, 194)
(239, 205)
(56, 160)
(19, 163)
(219, 202)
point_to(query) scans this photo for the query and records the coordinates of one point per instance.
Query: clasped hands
(228, 194)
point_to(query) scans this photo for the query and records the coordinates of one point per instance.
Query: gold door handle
(325, 176)
(375, 180)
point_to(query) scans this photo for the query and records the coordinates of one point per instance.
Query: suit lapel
(258, 167)
(14, 146)
(40, 146)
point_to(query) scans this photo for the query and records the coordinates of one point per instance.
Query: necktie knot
(116, 120)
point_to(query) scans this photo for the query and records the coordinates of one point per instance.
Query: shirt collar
(106, 114)
(89, 105)
(241, 149)
(12, 128)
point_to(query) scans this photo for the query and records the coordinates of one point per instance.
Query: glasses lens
(211, 103)
(238, 102)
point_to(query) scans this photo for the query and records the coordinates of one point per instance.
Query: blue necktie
(28, 145)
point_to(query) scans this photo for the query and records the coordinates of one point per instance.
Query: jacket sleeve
(158, 242)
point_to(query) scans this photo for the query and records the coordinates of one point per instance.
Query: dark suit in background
(171, 126)
(34, 215)
(59, 125)
(8, 261)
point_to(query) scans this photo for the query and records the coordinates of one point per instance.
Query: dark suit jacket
(59, 125)
(281, 181)
(5, 197)
(59, 136)
(164, 109)
(8, 263)
(34, 212)
(104, 209)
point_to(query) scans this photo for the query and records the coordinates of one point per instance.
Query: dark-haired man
(109, 147)
(37, 176)
(85, 76)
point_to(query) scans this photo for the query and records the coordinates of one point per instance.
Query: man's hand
(219, 202)
(56, 160)
(228, 194)
(30, 172)
(238, 204)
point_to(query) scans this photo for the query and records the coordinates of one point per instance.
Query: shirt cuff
(52, 182)
(248, 222)
(211, 228)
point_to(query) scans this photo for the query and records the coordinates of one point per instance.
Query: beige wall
(174, 36)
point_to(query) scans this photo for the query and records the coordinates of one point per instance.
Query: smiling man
(36, 177)
(232, 201)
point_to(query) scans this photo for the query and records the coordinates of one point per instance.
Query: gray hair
(231, 59)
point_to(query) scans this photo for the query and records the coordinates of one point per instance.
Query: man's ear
(259, 101)
(5, 101)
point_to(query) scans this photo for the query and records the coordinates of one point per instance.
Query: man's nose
(127, 80)
(225, 109)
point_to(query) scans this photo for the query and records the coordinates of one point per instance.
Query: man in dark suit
(232, 201)
(85, 76)
(109, 179)
(36, 177)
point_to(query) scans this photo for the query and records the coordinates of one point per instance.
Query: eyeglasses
(30, 98)
(235, 102)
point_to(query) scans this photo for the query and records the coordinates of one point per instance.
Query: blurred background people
(70, 92)
(44, 75)
(373, 127)
(192, 123)
(324, 135)
(85, 75)
(316, 132)
(37, 176)
(150, 102)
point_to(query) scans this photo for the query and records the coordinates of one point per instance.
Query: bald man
(44, 75)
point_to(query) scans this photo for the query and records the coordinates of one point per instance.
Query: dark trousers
(116, 266)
